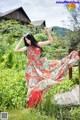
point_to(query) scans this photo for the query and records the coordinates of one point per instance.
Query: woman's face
(28, 41)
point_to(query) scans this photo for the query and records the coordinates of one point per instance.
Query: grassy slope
(13, 89)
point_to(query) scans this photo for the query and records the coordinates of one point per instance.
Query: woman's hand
(22, 39)
(48, 34)
(18, 49)
(50, 39)
(46, 29)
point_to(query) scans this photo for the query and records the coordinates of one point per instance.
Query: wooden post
(79, 75)
(70, 69)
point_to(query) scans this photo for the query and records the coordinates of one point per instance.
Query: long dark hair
(32, 39)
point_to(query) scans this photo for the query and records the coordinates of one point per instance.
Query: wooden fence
(70, 70)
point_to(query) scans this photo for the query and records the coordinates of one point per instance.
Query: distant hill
(60, 31)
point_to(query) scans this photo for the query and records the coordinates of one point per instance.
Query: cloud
(9, 4)
(44, 9)
(47, 10)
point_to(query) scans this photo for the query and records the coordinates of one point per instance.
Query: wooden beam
(70, 69)
(79, 74)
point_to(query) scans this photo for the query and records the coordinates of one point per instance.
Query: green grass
(69, 113)
(27, 114)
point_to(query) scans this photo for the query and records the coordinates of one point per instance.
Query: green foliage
(74, 37)
(60, 113)
(75, 40)
(66, 85)
(48, 105)
(40, 37)
(10, 33)
(60, 31)
(54, 51)
(27, 114)
(75, 112)
(12, 89)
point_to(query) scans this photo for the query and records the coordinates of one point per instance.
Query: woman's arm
(18, 49)
(50, 39)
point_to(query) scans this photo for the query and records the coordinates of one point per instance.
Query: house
(16, 14)
(51, 28)
(40, 23)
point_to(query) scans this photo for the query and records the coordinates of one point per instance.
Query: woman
(41, 74)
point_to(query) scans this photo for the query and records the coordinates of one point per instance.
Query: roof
(1, 14)
(50, 28)
(39, 22)
(10, 11)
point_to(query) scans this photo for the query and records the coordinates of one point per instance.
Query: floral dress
(42, 74)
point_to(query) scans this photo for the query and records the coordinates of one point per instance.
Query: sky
(54, 14)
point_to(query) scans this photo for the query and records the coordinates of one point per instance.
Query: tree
(75, 25)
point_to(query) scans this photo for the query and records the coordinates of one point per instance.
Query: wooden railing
(70, 70)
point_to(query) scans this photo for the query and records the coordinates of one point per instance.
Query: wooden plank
(68, 98)
(79, 74)
(70, 69)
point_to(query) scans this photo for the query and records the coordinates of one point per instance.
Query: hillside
(60, 31)
(13, 88)
(10, 33)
